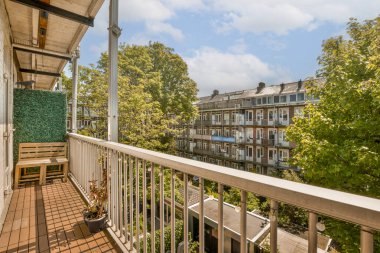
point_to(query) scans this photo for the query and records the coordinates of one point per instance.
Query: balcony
(55, 209)
(205, 137)
(49, 219)
(199, 122)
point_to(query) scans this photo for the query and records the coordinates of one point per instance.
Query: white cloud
(278, 17)
(239, 47)
(213, 69)
(160, 27)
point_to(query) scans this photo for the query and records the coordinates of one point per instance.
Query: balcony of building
(48, 218)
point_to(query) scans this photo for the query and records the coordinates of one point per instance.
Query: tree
(155, 94)
(338, 140)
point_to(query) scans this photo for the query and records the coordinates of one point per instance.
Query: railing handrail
(349, 207)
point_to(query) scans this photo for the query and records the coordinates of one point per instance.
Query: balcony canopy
(45, 35)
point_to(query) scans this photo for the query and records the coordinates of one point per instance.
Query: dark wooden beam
(45, 52)
(39, 72)
(57, 11)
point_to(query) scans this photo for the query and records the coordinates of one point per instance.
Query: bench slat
(41, 149)
(43, 144)
(42, 155)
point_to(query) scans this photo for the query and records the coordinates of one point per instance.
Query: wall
(39, 116)
(7, 72)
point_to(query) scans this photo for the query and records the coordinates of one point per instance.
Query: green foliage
(167, 239)
(155, 94)
(338, 143)
(38, 116)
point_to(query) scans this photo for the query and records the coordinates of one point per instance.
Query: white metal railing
(124, 163)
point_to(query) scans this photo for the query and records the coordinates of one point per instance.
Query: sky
(233, 45)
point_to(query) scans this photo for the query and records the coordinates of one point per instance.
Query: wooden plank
(42, 144)
(42, 155)
(41, 149)
(36, 163)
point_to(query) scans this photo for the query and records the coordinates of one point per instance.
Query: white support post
(273, 225)
(366, 240)
(313, 235)
(114, 32)
(75, 92)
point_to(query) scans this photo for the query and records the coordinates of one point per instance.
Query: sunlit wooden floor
(49, 219)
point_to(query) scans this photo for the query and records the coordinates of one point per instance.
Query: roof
(288, 88)
(62, 35)
(290, 243)
(256, 225)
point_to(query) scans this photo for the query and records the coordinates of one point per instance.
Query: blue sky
(233, 45)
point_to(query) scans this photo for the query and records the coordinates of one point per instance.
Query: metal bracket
(115, 30)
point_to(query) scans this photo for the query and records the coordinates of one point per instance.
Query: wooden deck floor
(49, 219)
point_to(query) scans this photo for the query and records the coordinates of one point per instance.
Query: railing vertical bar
(120, 193)
(185, 213)
(162, 201)
(243, 222)
(109, 180)
(173, 202)
(312, 233)
(153, 209)
(125, 173)
(273, 225)
(145, 222)
(366, 240)
(220, 219)
(137, 165)
(131, 201)
(114, 188)
(201, 216)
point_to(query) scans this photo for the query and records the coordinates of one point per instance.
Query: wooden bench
(41, 155)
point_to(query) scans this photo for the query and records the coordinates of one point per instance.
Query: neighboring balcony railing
(128, 203)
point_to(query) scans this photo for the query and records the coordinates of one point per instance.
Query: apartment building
(245, 129)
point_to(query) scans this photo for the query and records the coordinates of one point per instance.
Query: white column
(114, 32)
(75, 92)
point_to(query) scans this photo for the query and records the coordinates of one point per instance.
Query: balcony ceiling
(62, 36)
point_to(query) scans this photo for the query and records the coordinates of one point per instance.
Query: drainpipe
(75, 91)
(113, 32)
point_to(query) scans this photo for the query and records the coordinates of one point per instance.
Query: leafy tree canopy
(155, 94)
(338, 139)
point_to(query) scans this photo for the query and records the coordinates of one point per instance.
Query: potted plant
(95, 214)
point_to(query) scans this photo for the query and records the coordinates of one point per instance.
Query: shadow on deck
(48, 219)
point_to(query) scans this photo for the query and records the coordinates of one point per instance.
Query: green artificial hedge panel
(38, 116)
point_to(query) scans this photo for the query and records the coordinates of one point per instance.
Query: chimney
(214, 93)
(260, 87)
(282, 85)
(299, 84)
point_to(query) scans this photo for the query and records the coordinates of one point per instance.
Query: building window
(300, 96)
(249, 116)
(259, 115)
(271, 115)
(264, 100)
(276, 99)
(283, 155)
(270, 100)
(258, 101)
(249, 151)
(293, 98)
(272, 154)
(283, 99)
(259, 152)
(284, 114)
(259, 133)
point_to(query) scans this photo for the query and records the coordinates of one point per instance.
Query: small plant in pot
(95, 214)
